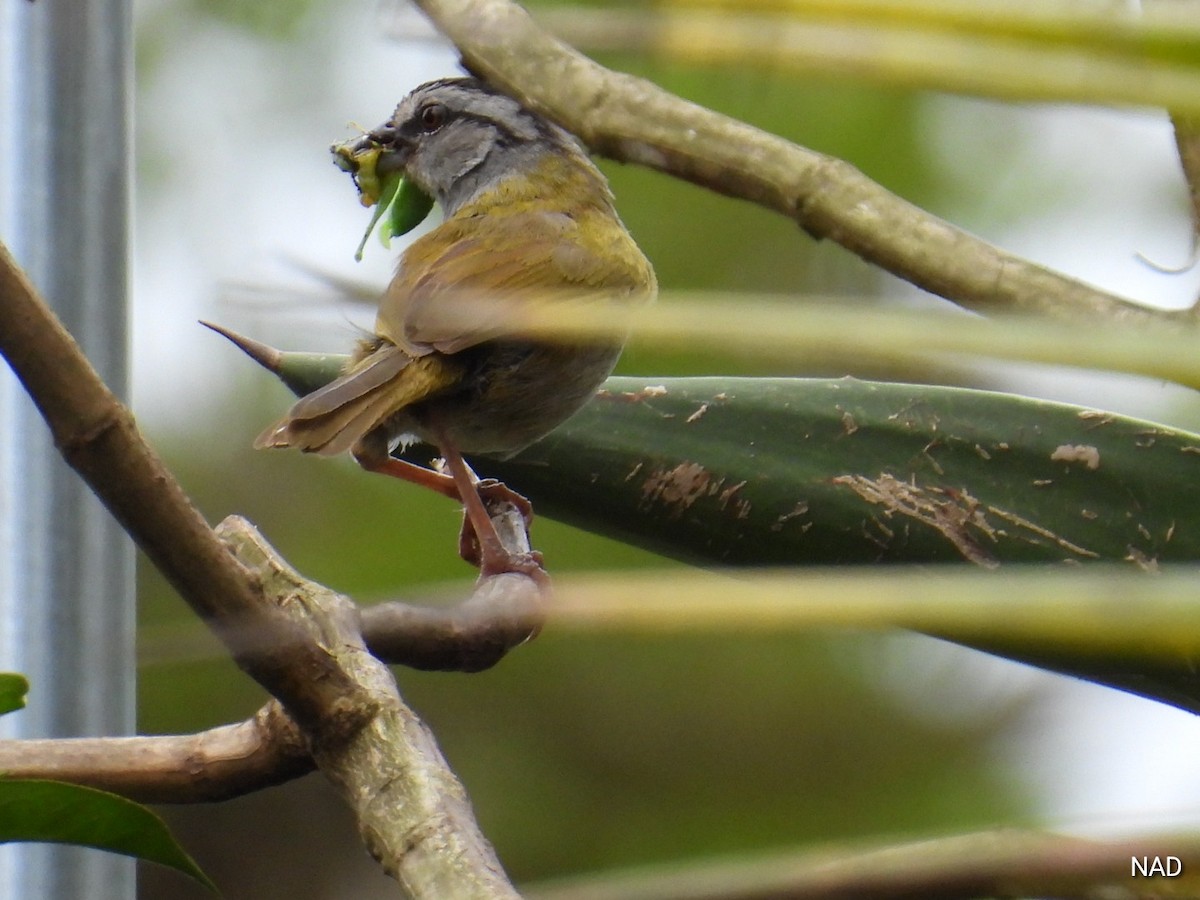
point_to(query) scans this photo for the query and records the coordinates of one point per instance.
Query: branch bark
(229, 761)
(218, 764)
(97, 436)
(299, 640)
(632, 120)
(412, 811)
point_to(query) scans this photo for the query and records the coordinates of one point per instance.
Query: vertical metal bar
(66, 569)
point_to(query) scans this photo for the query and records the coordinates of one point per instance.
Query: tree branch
(411, 810)
(218, 764)
(502, 612)
(99, 439)
(632, 120)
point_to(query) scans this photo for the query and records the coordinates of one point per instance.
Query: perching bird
(528, 218)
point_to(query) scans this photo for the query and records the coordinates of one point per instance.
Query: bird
(527, 218)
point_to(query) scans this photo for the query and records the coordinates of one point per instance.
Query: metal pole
(66, 569)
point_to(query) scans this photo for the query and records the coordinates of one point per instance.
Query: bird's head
(456, 138)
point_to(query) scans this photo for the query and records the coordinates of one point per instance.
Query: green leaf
(779, 471)
(397, 200)
(802, 471)
(402, 206)
(13, 688)
(1040, 51)
(785, 471)
(54, 812)
(767, 471)
(408, 210)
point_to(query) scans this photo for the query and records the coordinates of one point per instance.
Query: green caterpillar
(397, 200)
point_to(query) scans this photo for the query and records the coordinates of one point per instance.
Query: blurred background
(582, 754)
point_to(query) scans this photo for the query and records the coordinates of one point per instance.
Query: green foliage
(278, 19)
(53, 812)
(594, 750)
(35, 810)
(13, 688)
(799, 471)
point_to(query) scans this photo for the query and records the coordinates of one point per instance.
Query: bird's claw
(495, 494)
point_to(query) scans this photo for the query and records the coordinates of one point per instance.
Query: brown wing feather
(500, 257)
(366, 375)
(359, 410)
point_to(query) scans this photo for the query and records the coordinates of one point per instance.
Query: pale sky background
(252, 187)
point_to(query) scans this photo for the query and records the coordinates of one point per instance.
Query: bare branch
(411, 809)
(99, 439)
(633, 120)
(502, 612)
(217, 764)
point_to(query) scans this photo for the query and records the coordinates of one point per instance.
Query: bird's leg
(384, 464)
(478, 543)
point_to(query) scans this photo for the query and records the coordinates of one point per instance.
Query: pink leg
(492, 556)
(478, 544)
(410, 472)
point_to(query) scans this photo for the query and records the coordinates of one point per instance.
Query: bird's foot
(490, 555)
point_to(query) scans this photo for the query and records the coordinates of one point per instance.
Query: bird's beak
(395, 149)
(371, 158)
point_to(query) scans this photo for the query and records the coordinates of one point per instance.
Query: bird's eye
(433, 117)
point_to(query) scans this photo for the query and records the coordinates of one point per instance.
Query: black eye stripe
(417, 125)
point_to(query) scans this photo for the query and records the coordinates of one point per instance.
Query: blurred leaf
(1023, 52)
(53, 812)
(1008, 863)
(13, 688)
(1113, 626)
(1155, 31)
(277, 19)
(788, 471)
(783, 330)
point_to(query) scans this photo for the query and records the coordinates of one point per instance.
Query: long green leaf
(754, 472)
(800, 471)
(53, 812)
(788, 471)
(1052, 52)
(766, 471)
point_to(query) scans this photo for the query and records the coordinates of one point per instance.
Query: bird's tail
(337, 416)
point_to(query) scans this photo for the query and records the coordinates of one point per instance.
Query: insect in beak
(378, 173)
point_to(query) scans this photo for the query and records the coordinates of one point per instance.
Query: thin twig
(633, 120)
